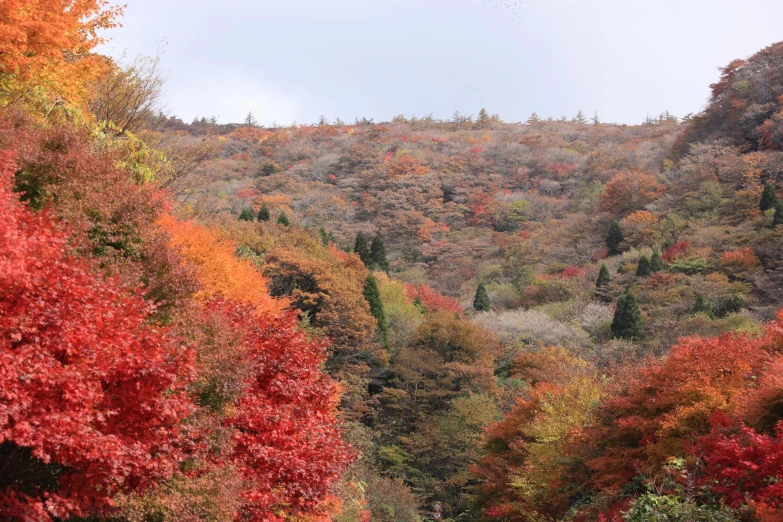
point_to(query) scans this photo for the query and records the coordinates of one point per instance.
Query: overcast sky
(297, 59)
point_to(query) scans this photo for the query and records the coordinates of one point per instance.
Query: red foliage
(570, 272)
(675, 251)
(432, 301)
(743, 465)
(287, 445)
(91, 395)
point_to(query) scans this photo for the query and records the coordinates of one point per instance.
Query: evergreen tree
(627, 322)
(481, 299)
(263, 214)
(378, 255)
(614, 238)
(361, 249)
(283, 219)
(643, 268)
(580, 118)
(484, 119)
(656, 263)
(768, 197)
(603, 277)
(595, 119)
(246, 214)
(533, 118)
(702, 307)
(324, 236)
(373, 296)
(777, 219)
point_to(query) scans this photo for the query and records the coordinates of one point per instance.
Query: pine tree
(533, 118)
(481, 299)
(656, 263)
(378, 255)
(484, 119)
(580, 118)
(627, 322)
(603, 277)
(246, 214)
(283, 219)
(768, 197)
(702, 307)
(595, 119)
(324, 236)
(263, 214)
(777, 219)
(643, 268)
(361, 249)
(614, 238)
(373, 296)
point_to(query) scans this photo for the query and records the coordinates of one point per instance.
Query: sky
(294, 60)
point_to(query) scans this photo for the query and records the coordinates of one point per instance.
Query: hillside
(539, 321)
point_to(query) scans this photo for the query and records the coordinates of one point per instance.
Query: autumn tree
(45, 51)
(378, 255)
(481, 301)
(629, 191)
(627, 321)
(250, 120)
(614, 239)
(263, 214)
(93, 393)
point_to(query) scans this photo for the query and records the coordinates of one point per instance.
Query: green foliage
(324, 236)
(282, 219)
(362, 249)
(378, 255)
(689, 265)
(373, 296)
(730, 305)
(603, 277)
(652, 507)
(270, 168)
(246, 214)
(263, 214)
(656, 263)
(643, 267)
(701, 306)
(481, 301)
(777, 218)
(768, 197)
(614, 239)
(627, 322)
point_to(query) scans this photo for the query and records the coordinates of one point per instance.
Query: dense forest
(465, 320)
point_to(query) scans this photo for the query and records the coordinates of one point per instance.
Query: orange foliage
(406, 165)
(743, 258)
(217, 269)
(629, 191)
(47, 43)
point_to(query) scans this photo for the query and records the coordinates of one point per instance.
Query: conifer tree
(643, 267)
(614, 238)
(283, 219)
(777, 219)
(580, 118)
(263, 214)
(656, 263)
(378, 255)
(361, 249)
(481, 299)
(373, 296)
(533, 118)
(768, 197)
(627, 321)
(251, 120)
(246, 214)
(324, 236)
(603, 277)
(702, 307)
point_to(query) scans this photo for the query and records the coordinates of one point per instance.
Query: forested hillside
(542, 321)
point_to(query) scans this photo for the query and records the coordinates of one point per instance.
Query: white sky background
(297, 59)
